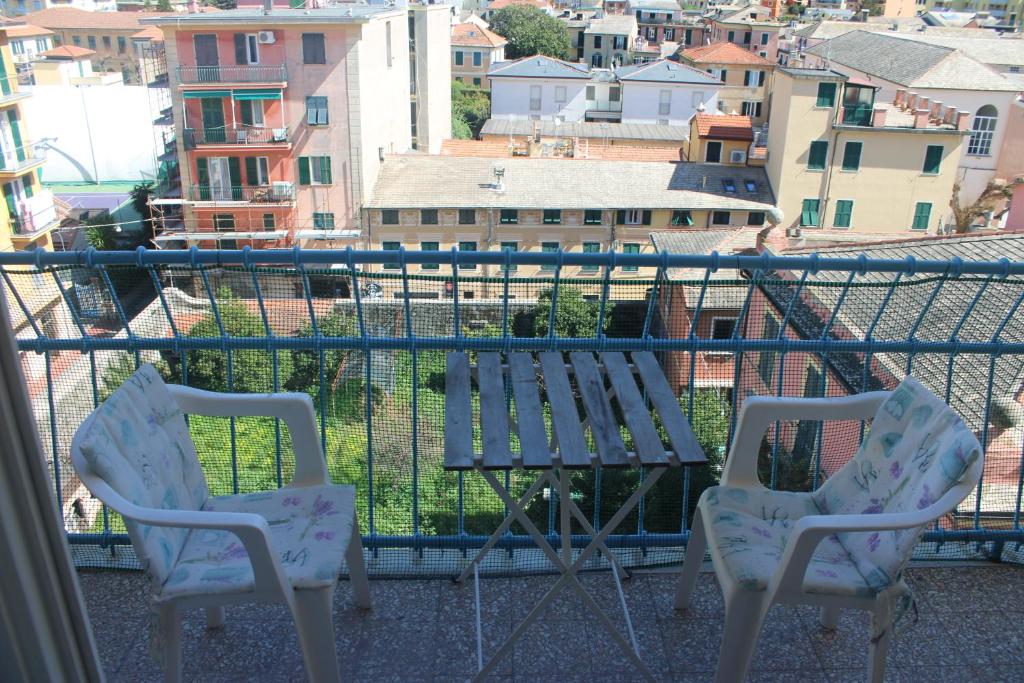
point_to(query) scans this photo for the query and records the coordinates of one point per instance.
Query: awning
(327, 234)
(257, 94)
(201, 94)
(217, 236)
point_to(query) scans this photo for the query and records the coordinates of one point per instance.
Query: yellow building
(747, 77)
(543, 205)
(723, 139)
(839, 160)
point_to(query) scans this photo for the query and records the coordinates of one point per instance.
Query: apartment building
(660, 20)
(545, 89)
(583, 138)
(750, 28)
(430, 75)
(27, 43)
(108, 34)
(723, 139)
(488, 204)
(474, 50)
(747, 77)
(940, 75)
(842, 158)
(610, 40)
(1008, 13)
(283, 118)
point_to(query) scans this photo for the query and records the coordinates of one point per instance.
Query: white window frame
(536, 98)
(263, 170)
(634, 217)
(560, 94)
(664, 102)
(697, 99)
(314, 171)
(983, 130)
(252, 48)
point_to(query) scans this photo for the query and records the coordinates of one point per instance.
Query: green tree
(471, 107)
(531, 32)
(306, 364)
(99, 232)
(252, 370)
(140, 201)
(164, 6)
(575, 317)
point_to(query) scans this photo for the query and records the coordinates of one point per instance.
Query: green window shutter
(26, 183)
(9, 197)
(203, 178)
(922, 212)
(511, 246)
(240, 52)
(19, 149)
(548, 248)
(252, 176)
(5, 85)
(467, 246)
(932, 159)
(391, 246)
(724, 74)
(591, 248)
(458, 58)
(630, 249)
(429, 246)
(844, 213)
(851, 156)
(646, 217)
(246, 108)
(826, 95)
(809, 213)
(325, 171)
(817, 156)
(268, 221)
(310, 112)
(620, 217)
(304, 171)
(235, 174)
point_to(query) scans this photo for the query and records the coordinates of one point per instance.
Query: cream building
(746, 75)
(610, 40)
(548, 204)
(840, 160)
(474, 50)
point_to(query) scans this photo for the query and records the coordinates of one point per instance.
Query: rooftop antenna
(499, 175)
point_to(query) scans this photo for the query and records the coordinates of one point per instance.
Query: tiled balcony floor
(971, 628)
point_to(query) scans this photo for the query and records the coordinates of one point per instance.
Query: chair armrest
(294, 408)
(251, 529)
(759, 412)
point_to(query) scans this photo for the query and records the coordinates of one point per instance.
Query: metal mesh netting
(370, 351)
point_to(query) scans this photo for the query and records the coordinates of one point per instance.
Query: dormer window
(858, 102)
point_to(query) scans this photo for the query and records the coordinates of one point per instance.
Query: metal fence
(365, 333)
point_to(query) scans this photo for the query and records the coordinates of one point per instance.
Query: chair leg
(170, 632)
(357, 568)
(695, 550)
(215, 617)
(878, 649)
(315, 624)
(829, 618)
(744, 615)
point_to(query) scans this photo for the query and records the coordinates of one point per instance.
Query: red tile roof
(27, 31)
(471, 34)
(74, 18)
(723, 53)
(724, 127)
(68, 52)
(151, 33)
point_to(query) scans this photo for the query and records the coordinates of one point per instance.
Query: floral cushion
(751, 529)
(309, 527)
(138, 442)
(916, 450)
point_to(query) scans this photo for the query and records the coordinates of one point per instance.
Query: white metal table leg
(588, 528)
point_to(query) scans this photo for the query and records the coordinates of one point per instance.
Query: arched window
(982, 130)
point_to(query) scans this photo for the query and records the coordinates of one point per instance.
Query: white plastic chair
(845, 544)
(135, 454)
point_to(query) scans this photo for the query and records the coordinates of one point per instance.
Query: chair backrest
(137, 443)
(917, 449)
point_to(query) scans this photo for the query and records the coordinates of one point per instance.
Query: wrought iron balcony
(277, 193)
(35, 215)
(17, 160)
(252, 73)
(239, 135)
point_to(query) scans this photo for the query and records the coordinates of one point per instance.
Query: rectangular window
(826, 95)
(696, 99)
(670, 34)
(511, 246)
(316, 111)
(391, 246)
(269, 222)
(591, 93)
(922, 212)
(614, 93)
(478, 59)
(313, 49)
(467, 216)
(591, 248)
(766, 361)
(106, 42)
(553, 216)
(721, 218)
(750, 78)
(764, 38)
(722, 328)
(632, 217)
(428, 216)
(751, 108)
(91, 40)
(682, 217)
(122, 45)
(818, 155)
(851, 156)
(467, 246)
(809, 213)
(459, 58)
(559, 94)
(592, 217)
(844, 213)
(755, 218)
(932, 159)
(630, 248)
(548, 248)
(389, 217)
(664, 102)
(315, 171)
(76, 40)
(429, 246)
(476, 82)
(535, 96)
(509, 216)
(323, 221)
(597, 42)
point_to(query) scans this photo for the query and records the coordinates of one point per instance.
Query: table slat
(646, 439)
(603, 425)
(572, 447)
(533, 440)
(684, 443)
(458, 413)
(493, 412)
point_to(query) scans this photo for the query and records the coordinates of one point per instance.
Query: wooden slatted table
(606, 387)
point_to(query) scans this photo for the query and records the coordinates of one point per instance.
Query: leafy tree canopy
(471, 106)
(531, 32)
(575, 317)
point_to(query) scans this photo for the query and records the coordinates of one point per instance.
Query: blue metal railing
(370, 346)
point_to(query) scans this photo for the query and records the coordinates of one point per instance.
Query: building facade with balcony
(750, 29)
(276, 147)
(545, 89)
(27, 42)
(841, 158)
(660, 21)
(746, 75)
(610, 40)
(491, 204)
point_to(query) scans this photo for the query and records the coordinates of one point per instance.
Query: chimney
(961, 119)
(923, 103)
(911, 101)
(864, 14)
(268, 6)
(901, 97)
(937, 110)
(949, 115)
(921, 118)
(878, 117)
